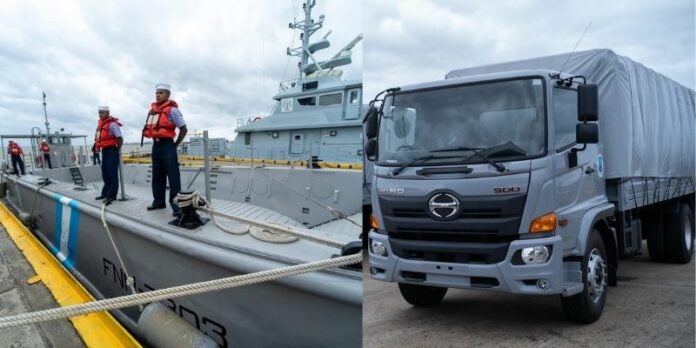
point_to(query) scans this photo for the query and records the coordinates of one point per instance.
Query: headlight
(378, 248)
(535, 255)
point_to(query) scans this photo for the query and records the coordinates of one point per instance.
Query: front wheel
(587, 306)
(422, 295)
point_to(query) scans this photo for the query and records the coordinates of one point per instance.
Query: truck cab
(489, 182)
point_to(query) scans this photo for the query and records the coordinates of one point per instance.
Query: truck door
(576, 186)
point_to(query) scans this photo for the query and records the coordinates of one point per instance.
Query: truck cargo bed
(636, 192)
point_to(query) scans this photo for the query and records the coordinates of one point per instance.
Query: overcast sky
(410, 41)
(224, 59)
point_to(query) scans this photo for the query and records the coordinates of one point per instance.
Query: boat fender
(161, 327)
(26, 219)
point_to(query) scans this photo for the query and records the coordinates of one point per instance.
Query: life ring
(257, 118)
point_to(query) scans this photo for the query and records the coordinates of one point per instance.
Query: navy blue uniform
(18, 162)
(165, 167)
(109, 169)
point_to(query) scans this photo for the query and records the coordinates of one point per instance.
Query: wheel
(656, 240)
(422, 295)
(587, 306)
(679, 235)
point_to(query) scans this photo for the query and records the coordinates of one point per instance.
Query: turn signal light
(373, 222)
(544, 223)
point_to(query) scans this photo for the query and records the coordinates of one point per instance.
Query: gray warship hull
(316, 309)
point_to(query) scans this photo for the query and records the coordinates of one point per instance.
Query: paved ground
(653, 306)
(16, 296)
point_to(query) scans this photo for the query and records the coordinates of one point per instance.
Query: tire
(422, 295)
(587, 306)
(654, 228)
(679, 235)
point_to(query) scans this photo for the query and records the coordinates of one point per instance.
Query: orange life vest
(44, 147)
(158, 125)
(103, 138)
(15, 150)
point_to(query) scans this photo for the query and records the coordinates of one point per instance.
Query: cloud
(412, 41)
(224, 59)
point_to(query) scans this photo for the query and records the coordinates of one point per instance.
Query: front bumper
(502, 276)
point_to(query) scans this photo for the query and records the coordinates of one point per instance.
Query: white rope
(200, 203)
(175, 292)
(228, 230)
(193, 198)
(130, 282)
(283, 229)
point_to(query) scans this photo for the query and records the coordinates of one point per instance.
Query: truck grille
(480, 233)
(499, 215)
(466, 214)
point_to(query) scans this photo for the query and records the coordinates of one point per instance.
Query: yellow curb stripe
(96, 329)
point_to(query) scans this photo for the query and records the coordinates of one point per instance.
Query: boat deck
(140, 197)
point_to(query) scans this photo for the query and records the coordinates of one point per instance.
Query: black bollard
(189, 218)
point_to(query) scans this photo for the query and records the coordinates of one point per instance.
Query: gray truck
(530, 177)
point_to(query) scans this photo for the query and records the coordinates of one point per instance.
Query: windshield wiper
(457, 148)
(475, 150)
(414, 161)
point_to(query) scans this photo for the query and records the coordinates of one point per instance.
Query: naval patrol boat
(316, 116)
(122, 248)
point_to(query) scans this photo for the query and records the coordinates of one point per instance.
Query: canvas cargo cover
(646, 119)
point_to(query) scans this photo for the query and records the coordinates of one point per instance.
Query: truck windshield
(459, 118)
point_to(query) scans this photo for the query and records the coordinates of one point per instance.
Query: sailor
(16, 153)
(161, 123)
(108, 139)
(95, 155)
(46, 153)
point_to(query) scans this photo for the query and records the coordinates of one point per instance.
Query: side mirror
(587, 133)
(587, 103)
(371, 122)
(371, 149)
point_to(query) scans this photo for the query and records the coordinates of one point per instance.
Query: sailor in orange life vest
(46, 153)
(16, 153)
(161, 123)
(108, 139)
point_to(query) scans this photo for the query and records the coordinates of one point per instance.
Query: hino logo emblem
(391, 190)
(443, 205)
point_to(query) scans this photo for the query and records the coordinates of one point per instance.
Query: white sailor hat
(163, 86)
(103, 108)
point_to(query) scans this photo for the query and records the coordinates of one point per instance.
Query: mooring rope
(130, 282)
(177, 291)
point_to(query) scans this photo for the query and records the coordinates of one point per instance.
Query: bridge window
(309, 101)
(354, 97)
(331, 99)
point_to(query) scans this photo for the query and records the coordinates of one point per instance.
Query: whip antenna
(573, 51)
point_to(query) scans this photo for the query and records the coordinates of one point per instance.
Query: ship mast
(308, 28)
(309, 65)
(48, 132)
